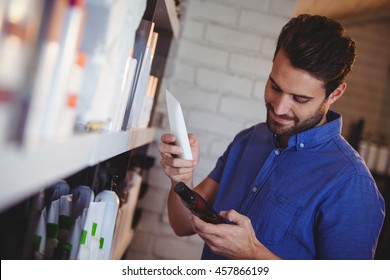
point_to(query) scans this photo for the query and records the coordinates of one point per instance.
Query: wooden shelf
(25, 171)
(124, 232)
(166, 17)
(122, 246)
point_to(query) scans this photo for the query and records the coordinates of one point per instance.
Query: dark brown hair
(319, 46)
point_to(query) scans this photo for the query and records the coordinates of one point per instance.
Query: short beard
(309, 123)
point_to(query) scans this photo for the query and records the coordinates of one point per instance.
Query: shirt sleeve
(349, 220)
(216, 173)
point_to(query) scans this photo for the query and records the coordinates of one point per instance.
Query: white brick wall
(223, 81)
(251, 65)
(212, 11)
(201, 54)
(263, 22)
(217, 69)
(227, 49)
(227, 37)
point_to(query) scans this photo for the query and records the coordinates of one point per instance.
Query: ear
(337, 93)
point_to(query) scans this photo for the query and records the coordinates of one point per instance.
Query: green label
(83, 237)
(37, 242)
(101, 242)
(94, 226)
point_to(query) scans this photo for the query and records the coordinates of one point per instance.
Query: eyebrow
(295, 94)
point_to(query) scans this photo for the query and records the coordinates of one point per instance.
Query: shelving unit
(166, 17)
(26, 170)
(125, 220)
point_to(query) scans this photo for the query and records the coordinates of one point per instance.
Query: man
(292, 188)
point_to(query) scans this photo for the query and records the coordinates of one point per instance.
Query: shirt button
(301, 145)
(254, 189)
(277, 152)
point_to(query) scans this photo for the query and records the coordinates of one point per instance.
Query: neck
(282, 140)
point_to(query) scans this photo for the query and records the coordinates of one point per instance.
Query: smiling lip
(279, 120)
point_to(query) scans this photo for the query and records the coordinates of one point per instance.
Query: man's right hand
(178, 170)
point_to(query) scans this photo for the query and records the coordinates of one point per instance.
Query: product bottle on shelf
(52, 229)
(89, 243)
(39, 238)
(57, 55)
(67, 55)
(110, 214)
(19, 22)
(67, 120)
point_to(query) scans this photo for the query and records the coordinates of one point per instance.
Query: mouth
(280, 120)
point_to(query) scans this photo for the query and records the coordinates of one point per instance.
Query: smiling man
(291, 188)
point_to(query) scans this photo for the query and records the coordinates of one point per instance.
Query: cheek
(308, 113)
(268, 97)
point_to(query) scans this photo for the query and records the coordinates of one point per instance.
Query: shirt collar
(318, 134)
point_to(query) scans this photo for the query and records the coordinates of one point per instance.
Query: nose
(281, 104)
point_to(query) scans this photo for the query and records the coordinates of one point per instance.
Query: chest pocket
(273, 218)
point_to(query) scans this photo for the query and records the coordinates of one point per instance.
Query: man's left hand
(233, 241)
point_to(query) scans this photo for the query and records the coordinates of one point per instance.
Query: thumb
(234, 217)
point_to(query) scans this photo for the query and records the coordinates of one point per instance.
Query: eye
(300, 99)
(275, 88)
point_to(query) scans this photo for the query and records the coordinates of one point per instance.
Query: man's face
(295, 100)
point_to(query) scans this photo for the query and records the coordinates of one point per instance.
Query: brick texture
(217, 69)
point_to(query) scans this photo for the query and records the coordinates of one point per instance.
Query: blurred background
(82, 109)
(218, 68)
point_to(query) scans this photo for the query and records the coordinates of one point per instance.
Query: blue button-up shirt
(315, 199)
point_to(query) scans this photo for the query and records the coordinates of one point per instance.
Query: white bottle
(91, 231)
(110, 213)
(83, 253)
(40, 236)
(52, 229)
(67, 55)
(67, 120)
(94, 243)
(100, 255)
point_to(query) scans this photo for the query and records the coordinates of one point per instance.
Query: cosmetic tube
(40, 237)
(52, 229)
(110, 214)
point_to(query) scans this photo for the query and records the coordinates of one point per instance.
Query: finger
(202, 227)
(178, 171)
(180, 178)
(177, 162)
(192, 139)
(165, 155)
(168, 138)
(204, 231)
(235, 217)
(169, 149)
